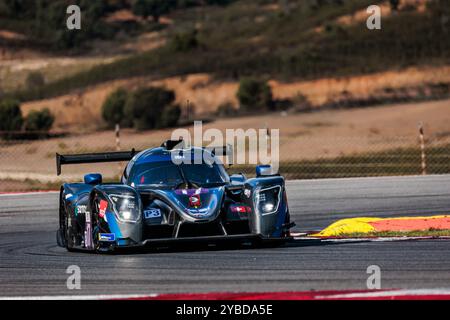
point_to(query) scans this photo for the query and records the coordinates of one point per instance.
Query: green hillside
(302, 40)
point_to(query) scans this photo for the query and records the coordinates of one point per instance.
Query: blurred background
(349, 101)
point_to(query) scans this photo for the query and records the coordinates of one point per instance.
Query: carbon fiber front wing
(213, 240)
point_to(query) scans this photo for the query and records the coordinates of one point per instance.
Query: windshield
(168, 173)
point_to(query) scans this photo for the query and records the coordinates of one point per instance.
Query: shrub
(39, 120)
(226, 110)
(113, 108)
(184, 42)
(35, 80)
(301, 103)
(170, 116)
(254, 95)
(146, 105)
(282, 104)
(10, 116)
(154, 8)
(219, 2)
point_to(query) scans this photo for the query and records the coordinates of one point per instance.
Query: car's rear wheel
(65, 236)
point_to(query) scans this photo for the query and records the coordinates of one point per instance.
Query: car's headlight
(267, 200)
(126, 207)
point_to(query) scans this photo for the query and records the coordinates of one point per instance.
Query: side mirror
(93, 178)
(237, 178)
(264, 170)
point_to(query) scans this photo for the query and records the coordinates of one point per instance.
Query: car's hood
(194, 205)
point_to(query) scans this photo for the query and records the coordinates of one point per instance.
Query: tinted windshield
(167, 173)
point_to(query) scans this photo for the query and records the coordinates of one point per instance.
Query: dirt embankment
(81, 110)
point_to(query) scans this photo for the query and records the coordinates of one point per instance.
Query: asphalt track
(32, 265)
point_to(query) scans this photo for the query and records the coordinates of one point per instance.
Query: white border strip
(85, 297)
(357, 295)
(388, 293)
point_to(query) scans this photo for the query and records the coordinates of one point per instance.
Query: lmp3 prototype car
(160, 202)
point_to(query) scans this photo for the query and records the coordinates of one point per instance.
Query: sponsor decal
(87, 215)
(102, 208)
(152, 213)
(194, 201)
(247, 193)
(81, 209)
(88, 231)
(109, 237)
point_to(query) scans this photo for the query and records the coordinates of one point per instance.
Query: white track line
(388, 293)
(85, 297)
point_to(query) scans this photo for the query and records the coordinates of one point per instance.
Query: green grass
(245, 39)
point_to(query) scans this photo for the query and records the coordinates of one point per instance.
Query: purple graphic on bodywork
(191, 192)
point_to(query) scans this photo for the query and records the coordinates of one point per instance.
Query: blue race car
(160, 202)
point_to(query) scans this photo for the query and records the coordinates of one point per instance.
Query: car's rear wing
(93, 158)
(225, 151)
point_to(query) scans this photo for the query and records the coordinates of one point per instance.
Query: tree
(50, 19)
(145, 106)
(394, 4)
(18, 8)
(39, 120)
(10, 116)
(154, 8)
(254, 95)
(113, 108)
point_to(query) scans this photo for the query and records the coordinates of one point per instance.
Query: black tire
(60, 238)
(66, 236)
(287, 232)
(94, 219)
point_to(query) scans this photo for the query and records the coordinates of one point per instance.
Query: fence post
(117, 130)
(188, 110)
(422, 149)
(268, 141)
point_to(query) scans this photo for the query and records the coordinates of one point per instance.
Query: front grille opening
(158, 232)
(237, 227)
(200, 230)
